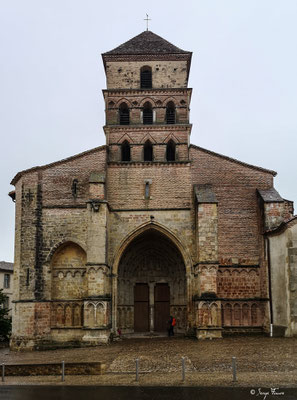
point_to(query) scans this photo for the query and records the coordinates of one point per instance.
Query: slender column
(152, 305)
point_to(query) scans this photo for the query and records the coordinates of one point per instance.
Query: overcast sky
(243, 75)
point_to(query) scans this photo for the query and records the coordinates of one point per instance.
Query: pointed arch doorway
(151, 284)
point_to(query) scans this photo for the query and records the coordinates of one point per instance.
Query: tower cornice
(146, 92)
(148, 57)
(147, 128)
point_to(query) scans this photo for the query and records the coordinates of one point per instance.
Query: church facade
(118, 238)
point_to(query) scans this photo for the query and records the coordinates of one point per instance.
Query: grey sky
(51, 74)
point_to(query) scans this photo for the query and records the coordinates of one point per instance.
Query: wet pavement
(261, 362)
(146, 393)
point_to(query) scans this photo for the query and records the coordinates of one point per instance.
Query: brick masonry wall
(57, 179)
(65, 217)
(238, 213)
(158, 99)
(32, 320)
(159, 138)
(170, 186)
(239, 283)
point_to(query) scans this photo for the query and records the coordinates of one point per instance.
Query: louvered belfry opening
(170, 151)
(125, 148)
(170, 113)
(146, 78)
(148, 151)
(124, 114)
(147, 114)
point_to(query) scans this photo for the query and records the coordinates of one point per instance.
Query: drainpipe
(269, 286)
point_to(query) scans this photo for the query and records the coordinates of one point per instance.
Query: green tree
(5, 319)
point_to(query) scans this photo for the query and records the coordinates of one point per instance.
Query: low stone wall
(86, 368)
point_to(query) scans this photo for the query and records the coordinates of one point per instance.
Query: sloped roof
(270, 195)
(6, 266)
(205, 194)
(146, 42)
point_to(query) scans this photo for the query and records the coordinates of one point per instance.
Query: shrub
(5, 319)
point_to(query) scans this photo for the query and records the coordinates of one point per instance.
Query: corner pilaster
(97, 304)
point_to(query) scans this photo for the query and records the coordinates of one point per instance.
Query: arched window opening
(146, 77)
(148, 151)
(124, 114)
(125, 148)
(170, 113)
(147, 114)
(170, 151)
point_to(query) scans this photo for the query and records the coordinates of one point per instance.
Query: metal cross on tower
(147, 19)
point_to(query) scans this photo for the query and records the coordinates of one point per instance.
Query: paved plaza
(261, 361)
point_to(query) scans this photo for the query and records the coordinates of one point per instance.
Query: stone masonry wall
(283, 259)
(63, 217)
(123, 223)
(165, 74)
(274, 214)
(57, 179)
(207, 232)
(292, 252)
(59, 226)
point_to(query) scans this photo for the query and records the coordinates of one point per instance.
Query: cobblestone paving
(260, 361)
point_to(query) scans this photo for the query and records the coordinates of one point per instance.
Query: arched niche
(68, 268)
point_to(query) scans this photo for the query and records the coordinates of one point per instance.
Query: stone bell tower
(147, 101)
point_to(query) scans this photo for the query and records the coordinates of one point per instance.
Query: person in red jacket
(171, 325)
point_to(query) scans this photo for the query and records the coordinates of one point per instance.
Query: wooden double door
(142, 307)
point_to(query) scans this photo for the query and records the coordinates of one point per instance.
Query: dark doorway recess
(162, 306)
(141, 307)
